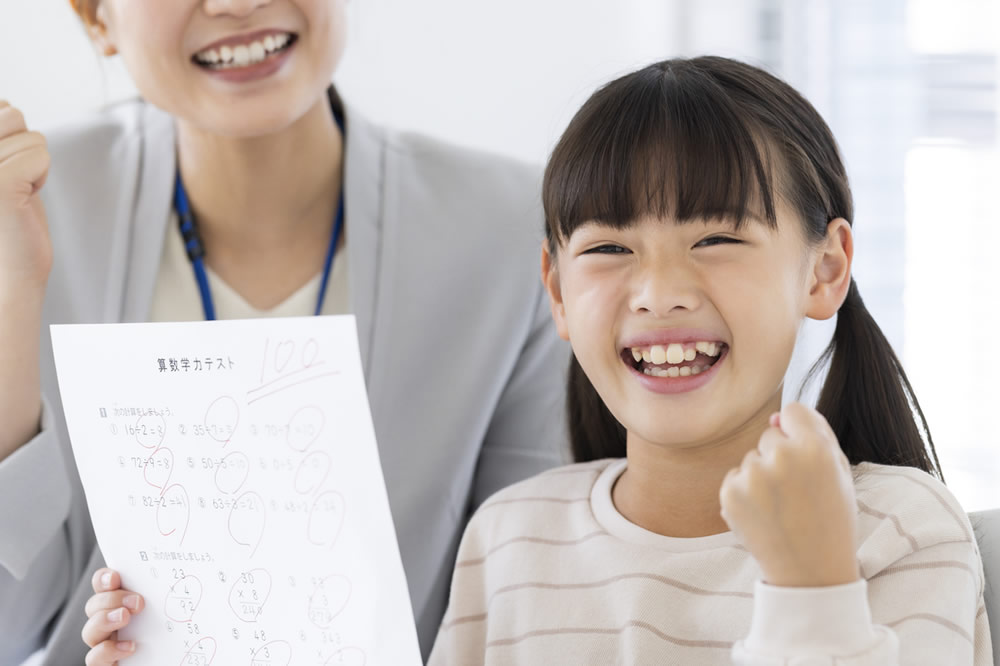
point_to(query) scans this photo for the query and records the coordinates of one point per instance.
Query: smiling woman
(241, 185)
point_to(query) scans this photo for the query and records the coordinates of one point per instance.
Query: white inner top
(176, 296)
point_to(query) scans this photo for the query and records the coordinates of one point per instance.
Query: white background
(910, 88)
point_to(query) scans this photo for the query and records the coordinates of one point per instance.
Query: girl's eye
(718, 240)
(606, 249)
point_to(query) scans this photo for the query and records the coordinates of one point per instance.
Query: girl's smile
(684, 329)
(674, 360)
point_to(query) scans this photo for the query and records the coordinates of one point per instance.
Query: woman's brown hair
(714, 138)
(87, 9)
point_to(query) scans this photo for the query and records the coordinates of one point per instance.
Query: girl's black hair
(714, 138)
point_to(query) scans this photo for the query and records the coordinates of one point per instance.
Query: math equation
(232, 475)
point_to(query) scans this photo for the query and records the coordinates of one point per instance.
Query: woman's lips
(255, 71)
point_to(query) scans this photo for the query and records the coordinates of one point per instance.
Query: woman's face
(230, 67)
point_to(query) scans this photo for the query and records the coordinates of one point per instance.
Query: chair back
(987, 527)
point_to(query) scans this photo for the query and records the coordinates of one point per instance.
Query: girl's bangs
(659, 143)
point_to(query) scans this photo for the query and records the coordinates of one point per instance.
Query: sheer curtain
(910, 89)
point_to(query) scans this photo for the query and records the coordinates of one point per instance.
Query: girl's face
(710, 312)
(231, 67)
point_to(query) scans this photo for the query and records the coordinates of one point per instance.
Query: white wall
(503, 76)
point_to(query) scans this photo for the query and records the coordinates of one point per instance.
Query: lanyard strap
(196, 250)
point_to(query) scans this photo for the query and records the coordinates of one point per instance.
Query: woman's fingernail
(125, 646)
(131, 602)
(106, 580)
(116, 615)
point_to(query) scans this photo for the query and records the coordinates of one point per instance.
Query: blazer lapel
(153, 206)
(364, 182)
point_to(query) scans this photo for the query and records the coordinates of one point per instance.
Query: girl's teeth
(675, 353)
(657, 355)
(664, 360)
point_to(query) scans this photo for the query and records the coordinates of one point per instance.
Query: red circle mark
(305, 427)
(253, 538)
(222, 468)
(348, 656)
(187, 512)
(307, 474)
(149, 463)
(227, 422)
(197, 656)
(241, 600)
(183, 599)
(323, 529)
(329, 599)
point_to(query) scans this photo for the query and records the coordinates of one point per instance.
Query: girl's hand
(791, 502)
(109, 610)
(25, 248)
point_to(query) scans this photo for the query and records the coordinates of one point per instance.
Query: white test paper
(233, 479)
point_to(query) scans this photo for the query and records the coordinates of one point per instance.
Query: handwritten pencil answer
(232, 475)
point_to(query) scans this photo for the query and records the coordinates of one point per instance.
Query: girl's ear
(550, 278)
(831, 271)
(99, 33)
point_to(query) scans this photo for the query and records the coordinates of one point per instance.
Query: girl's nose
(237, 8)
(664, 289)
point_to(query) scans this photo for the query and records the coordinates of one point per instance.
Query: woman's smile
(244, 50)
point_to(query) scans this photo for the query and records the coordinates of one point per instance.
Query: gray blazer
(465, 373)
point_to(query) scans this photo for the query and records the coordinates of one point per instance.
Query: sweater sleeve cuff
(35, 495)
(810, 620)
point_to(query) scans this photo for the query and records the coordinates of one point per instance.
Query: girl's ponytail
(867, 397)
(594, 433)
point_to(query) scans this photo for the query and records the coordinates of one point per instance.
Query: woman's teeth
(243, 55)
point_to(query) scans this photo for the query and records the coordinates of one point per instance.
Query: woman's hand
(25, 262)
(791, 502)
(25, 248)
(109, 610)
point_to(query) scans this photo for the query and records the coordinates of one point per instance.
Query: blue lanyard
(196, 250)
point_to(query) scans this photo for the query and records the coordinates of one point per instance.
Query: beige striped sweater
(550, 573)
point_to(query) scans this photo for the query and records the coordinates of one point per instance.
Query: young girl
(697, 211)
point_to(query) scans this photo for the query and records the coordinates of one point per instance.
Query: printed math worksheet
(233, 479)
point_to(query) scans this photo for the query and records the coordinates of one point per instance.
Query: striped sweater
(550, 573)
